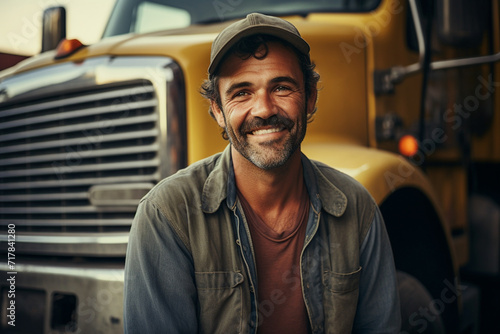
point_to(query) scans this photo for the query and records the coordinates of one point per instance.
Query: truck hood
(129, 44)
(163, 43)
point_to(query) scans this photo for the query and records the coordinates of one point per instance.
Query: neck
(270, 193)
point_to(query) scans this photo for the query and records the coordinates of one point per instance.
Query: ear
(311, 101)
(219, 116)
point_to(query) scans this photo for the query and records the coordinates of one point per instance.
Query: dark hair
(250, 47)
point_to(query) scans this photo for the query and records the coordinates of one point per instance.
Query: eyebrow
(243, 84)
(238, 85)
(285, 79)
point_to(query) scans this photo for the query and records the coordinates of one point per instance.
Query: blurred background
(20, 24)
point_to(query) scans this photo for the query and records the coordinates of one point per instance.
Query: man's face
(264, 107)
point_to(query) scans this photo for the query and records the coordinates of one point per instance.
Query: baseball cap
(254, 23)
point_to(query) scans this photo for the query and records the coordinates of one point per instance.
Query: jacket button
(239, 278)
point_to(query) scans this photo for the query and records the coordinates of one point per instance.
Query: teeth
(266, 131)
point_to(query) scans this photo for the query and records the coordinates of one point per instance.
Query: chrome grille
(80, 144)
(52, 151)
(64, 150)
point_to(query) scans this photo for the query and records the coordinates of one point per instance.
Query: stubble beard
(269, 154)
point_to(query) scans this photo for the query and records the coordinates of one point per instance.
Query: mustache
(275, 121)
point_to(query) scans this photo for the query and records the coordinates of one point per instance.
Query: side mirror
(53, 27)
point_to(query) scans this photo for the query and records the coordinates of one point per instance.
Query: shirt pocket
(220, 297)
(341, 282)
(340, 293)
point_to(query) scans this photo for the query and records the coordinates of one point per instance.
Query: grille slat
(68, 222)
(76, 114)
(83, 128)
(51, 210)
(98, 138)
(45, 197)
(82, 168)
(80, 99)
(78, 182)
(66, 155)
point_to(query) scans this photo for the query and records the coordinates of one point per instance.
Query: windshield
(139, 16)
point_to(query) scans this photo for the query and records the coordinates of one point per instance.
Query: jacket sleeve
(378, 308)
(159, 291)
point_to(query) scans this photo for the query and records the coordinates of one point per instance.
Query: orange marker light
(67, 46)
(408, 145)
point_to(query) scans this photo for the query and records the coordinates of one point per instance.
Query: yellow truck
(407, 106)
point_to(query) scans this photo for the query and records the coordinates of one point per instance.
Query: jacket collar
(322, 192)
(221, 185)
(216, 186)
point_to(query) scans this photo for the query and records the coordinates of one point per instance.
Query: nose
(264, 105)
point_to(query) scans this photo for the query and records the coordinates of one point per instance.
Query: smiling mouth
(267, 131)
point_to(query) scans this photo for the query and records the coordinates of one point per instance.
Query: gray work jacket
(190, 263)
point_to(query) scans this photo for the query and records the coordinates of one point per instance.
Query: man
(259, 237)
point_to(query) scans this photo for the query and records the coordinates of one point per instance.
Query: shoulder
(176, 200)
(192, 178)
(358, 204)
(181, 192)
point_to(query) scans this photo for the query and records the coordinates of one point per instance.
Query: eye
(282, 88)
(240, 93)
